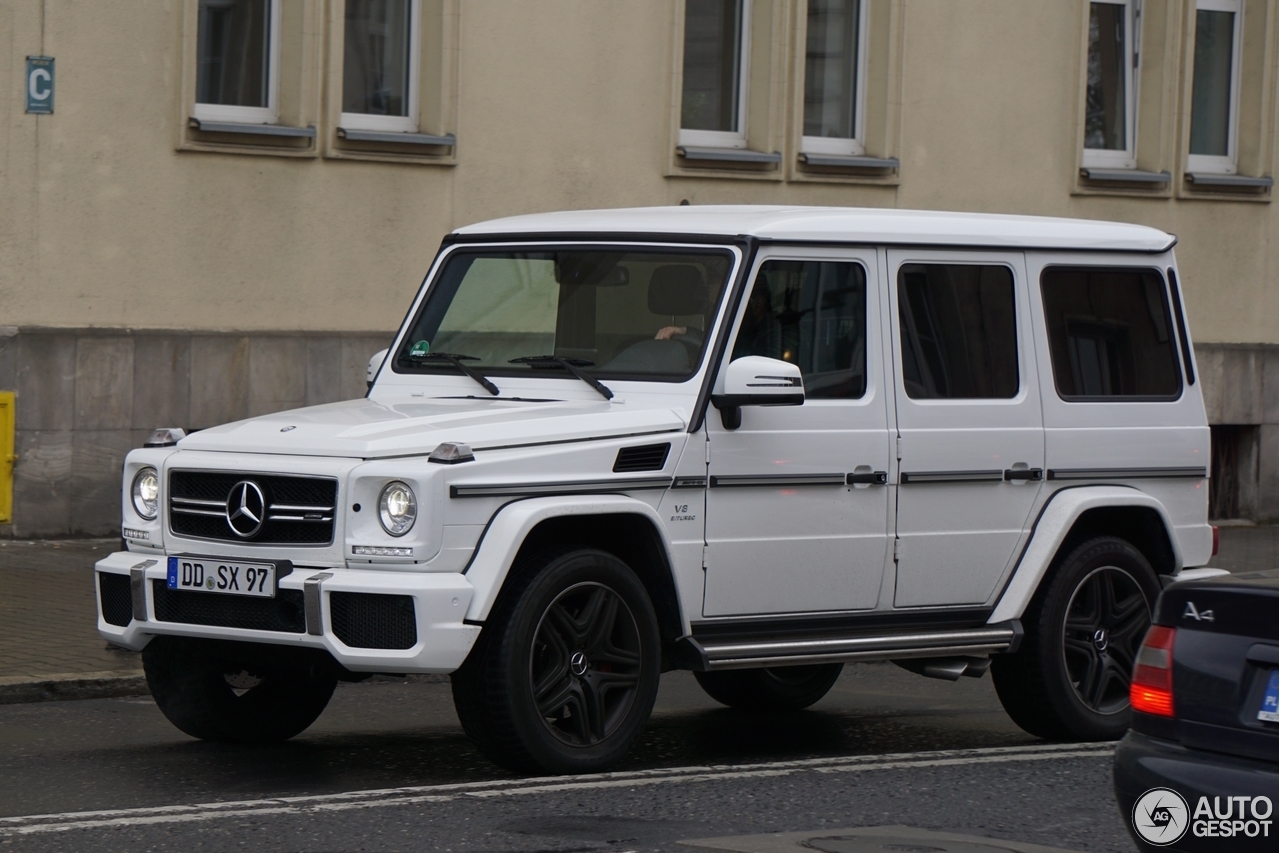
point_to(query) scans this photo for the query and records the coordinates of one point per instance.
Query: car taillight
(1216, 539)
(1151, 690)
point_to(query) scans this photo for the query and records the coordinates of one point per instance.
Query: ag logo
(1160, 816)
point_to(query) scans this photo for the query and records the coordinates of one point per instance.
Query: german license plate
(209, 574)
(1268, 711)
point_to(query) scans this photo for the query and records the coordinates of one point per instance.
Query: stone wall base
(86, 397)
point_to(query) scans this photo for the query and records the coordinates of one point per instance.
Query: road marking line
(379, 798)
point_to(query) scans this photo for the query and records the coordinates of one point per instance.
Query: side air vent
(647, 457)
(117, 598)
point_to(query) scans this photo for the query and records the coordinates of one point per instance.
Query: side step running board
(708, 654)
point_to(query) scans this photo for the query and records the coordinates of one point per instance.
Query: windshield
(638, 314)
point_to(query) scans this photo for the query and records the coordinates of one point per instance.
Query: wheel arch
(625, 527)
(1072, 516)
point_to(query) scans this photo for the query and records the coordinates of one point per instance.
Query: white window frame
(855, 146)
(1222, 165)
(270, 114)
(1101, 158)
(398, 124)
(729, 138)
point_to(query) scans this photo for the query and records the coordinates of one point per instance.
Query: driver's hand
(666, 333)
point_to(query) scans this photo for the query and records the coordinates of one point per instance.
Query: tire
(564, 675)
(1069, 680)
(222, 692)
(784, 688)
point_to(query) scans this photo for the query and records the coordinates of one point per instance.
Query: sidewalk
(50, 648)
(49, 643)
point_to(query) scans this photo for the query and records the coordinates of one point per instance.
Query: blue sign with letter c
(40, 85)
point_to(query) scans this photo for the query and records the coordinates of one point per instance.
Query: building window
(1110, 95)
(380, 65)
(237, 61)
(834, 71)
(717, 49)
(1215, 87)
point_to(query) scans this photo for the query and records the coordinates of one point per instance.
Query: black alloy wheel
(1105, 623)
(1069, 678)
(585, 668)
(564, 675)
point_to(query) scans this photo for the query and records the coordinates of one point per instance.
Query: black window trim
(1184, 342)
(1113, 398)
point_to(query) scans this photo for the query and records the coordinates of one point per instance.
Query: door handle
(1011, 474)
(869, 478)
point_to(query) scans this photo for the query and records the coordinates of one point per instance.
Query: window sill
(446, 141)
(1235, 182)
(1128, 182)
(308, 132)
(841, 161)
(246, 138)
(845, 169)
(1211, 186)
(728, 155)
(388, 146)
(1124, 176)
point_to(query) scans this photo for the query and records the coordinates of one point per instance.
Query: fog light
(397, 508)
(146, 492)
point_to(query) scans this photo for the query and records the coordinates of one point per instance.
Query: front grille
(116, 597)
(646, 457)
(298, 510)
(283, 613)
(365, 620)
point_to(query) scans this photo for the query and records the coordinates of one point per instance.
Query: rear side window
(959, 338)
(814, 315)
(1109, 334)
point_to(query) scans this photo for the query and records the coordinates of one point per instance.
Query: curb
(76, 685)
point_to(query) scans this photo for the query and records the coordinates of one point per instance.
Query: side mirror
(754, 380)
(375, 363)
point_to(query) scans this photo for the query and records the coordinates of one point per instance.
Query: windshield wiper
(569, 364)
(456, 360)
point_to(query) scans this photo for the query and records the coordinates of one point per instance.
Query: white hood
(365, 429)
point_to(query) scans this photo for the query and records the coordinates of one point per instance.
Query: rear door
(971, 439)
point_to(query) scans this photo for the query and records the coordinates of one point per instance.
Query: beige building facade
(233, 201)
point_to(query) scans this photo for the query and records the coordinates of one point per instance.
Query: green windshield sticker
(420, 349)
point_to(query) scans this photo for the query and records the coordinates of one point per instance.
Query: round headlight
(146, 491)
(397, 509)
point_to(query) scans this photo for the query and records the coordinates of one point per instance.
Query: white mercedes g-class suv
(751, 442)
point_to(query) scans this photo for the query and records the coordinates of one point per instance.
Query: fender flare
(1051, 528)
(511, 524)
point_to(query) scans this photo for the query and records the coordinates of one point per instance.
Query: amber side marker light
(1151, 690)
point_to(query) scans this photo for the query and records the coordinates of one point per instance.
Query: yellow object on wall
(7, 458)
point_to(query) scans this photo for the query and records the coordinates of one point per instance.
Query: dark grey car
(1197, 771)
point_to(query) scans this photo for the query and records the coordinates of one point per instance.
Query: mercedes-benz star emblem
(578, 663)
(246, 508)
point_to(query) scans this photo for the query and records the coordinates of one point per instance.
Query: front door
(798, 517)
(971, 443)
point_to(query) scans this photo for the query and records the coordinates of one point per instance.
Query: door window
(959, 339)
(1109, 333)
(812, 314)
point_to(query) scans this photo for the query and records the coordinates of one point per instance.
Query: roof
(839, 225)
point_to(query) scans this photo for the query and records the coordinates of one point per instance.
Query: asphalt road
(885, 747)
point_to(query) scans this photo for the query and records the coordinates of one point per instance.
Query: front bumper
(440, 602)
(1143, 762)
